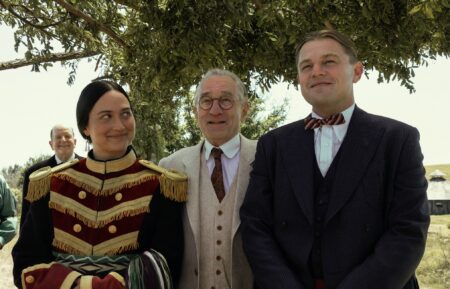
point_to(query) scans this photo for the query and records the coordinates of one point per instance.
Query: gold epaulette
(39, 184)
(173, 184)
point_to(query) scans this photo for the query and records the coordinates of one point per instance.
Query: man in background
(8, 219)
(62, 141)
(218, 170)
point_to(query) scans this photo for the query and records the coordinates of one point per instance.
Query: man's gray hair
(240, 87)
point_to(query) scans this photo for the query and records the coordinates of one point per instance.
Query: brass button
(29, 279)
(82, 195)
(112, 229)
(118, 196)
(77, 228)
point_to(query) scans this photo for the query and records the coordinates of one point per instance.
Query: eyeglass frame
(219, 100)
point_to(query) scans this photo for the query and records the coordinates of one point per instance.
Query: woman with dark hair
(107, 221)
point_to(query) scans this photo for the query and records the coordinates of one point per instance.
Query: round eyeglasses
(207, 102)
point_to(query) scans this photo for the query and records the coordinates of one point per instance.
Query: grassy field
(434, 270)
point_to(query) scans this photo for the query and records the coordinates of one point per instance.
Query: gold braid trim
(76, 182)
(66, 247)
(71, 250)
(123, 248)
(173, 184)
(97, 190)
(98, 224)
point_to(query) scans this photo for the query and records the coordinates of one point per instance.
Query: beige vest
(215, 234)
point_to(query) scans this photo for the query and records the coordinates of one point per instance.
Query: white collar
(58, 161)
(340, 129)
(230, 148)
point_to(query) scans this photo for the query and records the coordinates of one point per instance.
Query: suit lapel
(356, 151)
(191, 164)
(297, 152)
(247, 155)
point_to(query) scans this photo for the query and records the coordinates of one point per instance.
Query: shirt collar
(340, 129)
(230, 148)
(58, 161)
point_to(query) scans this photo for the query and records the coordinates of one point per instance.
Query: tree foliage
(161, 48)
(14, 174)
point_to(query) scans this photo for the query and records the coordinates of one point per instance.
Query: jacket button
(112, 229)
(118, 197)
(284, 224)
(77, 228)
(82, 195)
(195, 272)
(29, 279)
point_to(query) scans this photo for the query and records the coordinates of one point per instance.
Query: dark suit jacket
(377, 219)
(51, 162)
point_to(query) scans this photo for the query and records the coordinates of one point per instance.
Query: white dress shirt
(230, 159)
(328, 140)
(58, 161)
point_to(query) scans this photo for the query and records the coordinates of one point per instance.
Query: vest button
(118, 196)
(219, 227)
(220, 212)
(112, 229)
(82, 195)
(195, 272)
(219, 242)
(77, 228)
(218, 258)
(218, 272)
(29, 279)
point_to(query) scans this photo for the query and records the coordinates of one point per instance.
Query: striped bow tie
(312, 123)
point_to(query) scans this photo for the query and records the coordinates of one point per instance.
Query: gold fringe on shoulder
(173, 184)
(39, 184)
(174, 190)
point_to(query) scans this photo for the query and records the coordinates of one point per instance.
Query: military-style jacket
(95, 208)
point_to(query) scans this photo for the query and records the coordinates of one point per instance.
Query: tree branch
(71, 9)
(24, 20)
(54, 57)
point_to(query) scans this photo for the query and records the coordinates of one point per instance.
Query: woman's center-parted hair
(89, 97)
(240, 87)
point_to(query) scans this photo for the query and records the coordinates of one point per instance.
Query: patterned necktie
(312, 123)
(217, 175)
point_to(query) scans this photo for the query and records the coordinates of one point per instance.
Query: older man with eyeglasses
(218, 170)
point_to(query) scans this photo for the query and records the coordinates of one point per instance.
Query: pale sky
(31, 103)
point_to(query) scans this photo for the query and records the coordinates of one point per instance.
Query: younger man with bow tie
(337, 200)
